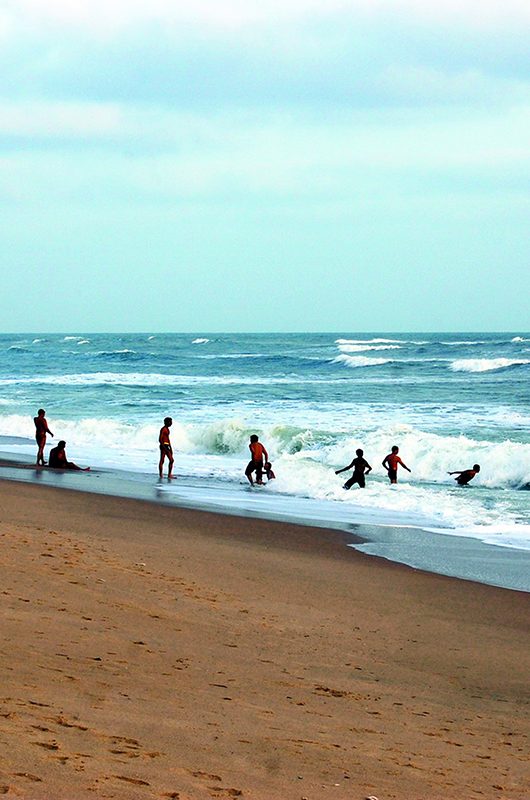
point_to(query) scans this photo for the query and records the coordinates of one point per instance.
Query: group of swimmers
(258, 465)
(361, 468)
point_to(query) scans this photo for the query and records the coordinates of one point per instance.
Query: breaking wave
(486, 364)
(360, 361)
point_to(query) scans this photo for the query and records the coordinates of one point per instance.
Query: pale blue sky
(264, 165)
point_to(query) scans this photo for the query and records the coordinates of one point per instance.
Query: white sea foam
(370, 341)
(305, 460)
(84, 341)
(486, 364)
(72, 338)
(152, 379)
(359, 348)
(214, 357)
(455, 344)
(380, 341)
(360, 361)
(113, 352)
(200, 340)
(37, 341)
(517, 339)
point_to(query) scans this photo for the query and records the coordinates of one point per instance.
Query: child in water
(361, 468)
(464, 476)
(390, 463)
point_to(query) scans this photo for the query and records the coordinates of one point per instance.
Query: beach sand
(154, 652)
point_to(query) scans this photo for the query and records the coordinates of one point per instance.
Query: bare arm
(338, 471)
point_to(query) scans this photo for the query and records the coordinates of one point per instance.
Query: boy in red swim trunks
(165, 448)
(390, 463)
(258, 455)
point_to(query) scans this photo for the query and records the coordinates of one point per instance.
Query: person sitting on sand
(165, 448)
(390, 463)
(360, 467)
(464, 476)
(58, 459)
(41, 429)
(258, 455)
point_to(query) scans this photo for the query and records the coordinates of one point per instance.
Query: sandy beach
(154, 652)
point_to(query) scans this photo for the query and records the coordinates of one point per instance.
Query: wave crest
(486, 364)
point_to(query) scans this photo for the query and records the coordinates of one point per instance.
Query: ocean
(447, 400)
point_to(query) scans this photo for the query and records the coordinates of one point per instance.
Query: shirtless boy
(165, 448)
(258, 455)
(41, 429)
(390, 463)
(464, 476)
(360, 467)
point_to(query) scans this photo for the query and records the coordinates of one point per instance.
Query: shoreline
(466, 558)
(157, 651)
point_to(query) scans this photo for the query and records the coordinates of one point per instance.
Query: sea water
(447, 400)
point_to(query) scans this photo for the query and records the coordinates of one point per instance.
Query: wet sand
(155, 652)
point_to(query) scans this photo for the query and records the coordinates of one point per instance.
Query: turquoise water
(447, 400)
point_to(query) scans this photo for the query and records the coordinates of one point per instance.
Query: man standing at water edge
(390, 463)
(165, 448)
(41, 429)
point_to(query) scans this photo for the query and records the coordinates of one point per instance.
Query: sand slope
(152, 652)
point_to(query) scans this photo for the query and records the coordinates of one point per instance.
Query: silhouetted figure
(258, 456)
(267, 468)
(166, 451)
(390, 463)
(58, 460)
(41, 429)
(464, 476)
(360, 467)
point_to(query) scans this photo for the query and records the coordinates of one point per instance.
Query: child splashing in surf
(465, 475)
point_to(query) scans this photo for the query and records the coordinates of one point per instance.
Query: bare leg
(40, 454)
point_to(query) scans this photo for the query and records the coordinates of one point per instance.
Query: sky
(264, 165)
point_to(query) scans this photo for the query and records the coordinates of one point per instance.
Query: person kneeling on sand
(57, 459)
(360, 467)
(464, 476)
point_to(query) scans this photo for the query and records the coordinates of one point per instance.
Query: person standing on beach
(464, 476)
(41, 429)
(165, 448)
(58, 459)
(390, 463)
(258, 455)
(360, 467)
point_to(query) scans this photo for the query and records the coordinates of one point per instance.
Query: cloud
(110, 17)
(243, 156)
